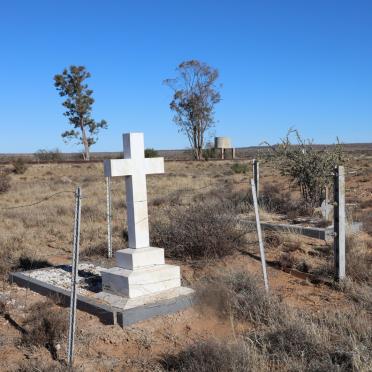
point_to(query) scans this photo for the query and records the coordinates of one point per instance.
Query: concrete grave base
(108, 307)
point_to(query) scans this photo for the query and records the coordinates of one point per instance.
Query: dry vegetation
(194, 213)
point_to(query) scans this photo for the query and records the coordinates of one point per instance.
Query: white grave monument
(141, 269)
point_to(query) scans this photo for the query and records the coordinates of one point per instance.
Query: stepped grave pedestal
(141, 270)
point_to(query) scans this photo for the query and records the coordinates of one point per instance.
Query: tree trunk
(195, 142)
(86, 154)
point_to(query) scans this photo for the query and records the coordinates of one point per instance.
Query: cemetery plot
(188, 200)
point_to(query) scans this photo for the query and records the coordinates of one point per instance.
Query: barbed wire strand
(39, 201)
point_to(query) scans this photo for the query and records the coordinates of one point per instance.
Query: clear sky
(306, 64)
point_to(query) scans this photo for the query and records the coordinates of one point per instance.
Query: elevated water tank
(222, 143)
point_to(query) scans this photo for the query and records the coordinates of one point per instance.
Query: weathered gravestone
(141, 269)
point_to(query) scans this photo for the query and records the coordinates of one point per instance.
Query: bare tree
(195, 94)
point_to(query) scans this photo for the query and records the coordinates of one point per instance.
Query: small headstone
(326, 209)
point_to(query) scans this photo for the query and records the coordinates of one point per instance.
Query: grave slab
(111, 309)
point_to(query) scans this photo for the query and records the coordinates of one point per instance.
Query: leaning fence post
(259, 234)
(109, 217)
(339, 222)
(256, 176)
(74, 277)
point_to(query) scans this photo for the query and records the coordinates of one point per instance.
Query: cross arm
(154, 165)
(118, 167)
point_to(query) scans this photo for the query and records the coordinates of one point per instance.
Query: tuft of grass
(4, 183)
(211, 356)
(239, 295)
(239, 168)
(358, 259)
(359, 293)
(46, 326)
(19, 166)
(274, 200)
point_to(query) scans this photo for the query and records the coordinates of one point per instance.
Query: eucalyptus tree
(78, 103)
(195, 93)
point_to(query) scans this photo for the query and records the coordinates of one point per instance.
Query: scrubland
(195, 212)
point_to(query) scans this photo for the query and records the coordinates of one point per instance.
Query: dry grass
(204, 198)
(274, 199)
(46, 326)
(358, 259)
(238, 295)
(206, 230)
(282, 338)
(4, 183)
(212, 356)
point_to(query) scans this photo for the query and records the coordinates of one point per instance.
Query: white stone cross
(135, 167)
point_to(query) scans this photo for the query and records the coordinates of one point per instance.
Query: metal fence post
(74, 277)
(339, 223)
(109, 217)
(256, 176)
(259, 234)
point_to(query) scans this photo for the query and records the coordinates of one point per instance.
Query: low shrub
(173, 198)
(240, 168)
(98, 250)
(287, 339)
(48, 155)
(4, 183)
(45, 326)
(211, 356)
(359, 293)
(274, 200)
(358, 259)
(209, 153)
(239, 295)
(151, 153)
(199, 231)
(19, 166)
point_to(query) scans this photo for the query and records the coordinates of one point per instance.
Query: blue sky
(306, 64)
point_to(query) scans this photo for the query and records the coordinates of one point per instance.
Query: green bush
(151, 153)
(240, 168)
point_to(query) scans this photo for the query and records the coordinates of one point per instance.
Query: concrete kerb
(311, 232)
(107, 314)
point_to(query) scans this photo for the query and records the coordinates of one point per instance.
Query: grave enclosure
(142, 285)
